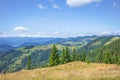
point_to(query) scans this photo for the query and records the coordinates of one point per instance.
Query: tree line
(65, 56)
(109, 54)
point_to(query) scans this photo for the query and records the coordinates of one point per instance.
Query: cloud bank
(3, 34)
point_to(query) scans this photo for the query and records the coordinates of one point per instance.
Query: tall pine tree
(107, 58)
(82, 56)
(73, 55)
(29, 62)
(67, 55)
(54, 57)
(62, 57)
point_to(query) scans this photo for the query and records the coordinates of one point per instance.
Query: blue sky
(59, 18)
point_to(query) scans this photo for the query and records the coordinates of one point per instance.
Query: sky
(59, 18)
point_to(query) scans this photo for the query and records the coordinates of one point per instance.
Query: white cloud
(20, 28)
(40, 33)
(56, 33)
(105, 33)
(78, 3)
(33, 35)
(56, 7)
(74, 32)
(115, 4)
(40, 6)
(29, 35)
(80, 34)
(3, 34)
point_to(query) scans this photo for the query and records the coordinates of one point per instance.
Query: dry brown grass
(69, 71)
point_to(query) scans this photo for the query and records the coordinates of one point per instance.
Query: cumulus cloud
(115, 4)
(20, 28)
(40, 6)
(56, 7)
(78, 3)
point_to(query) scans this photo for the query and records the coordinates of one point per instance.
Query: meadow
(70, 71)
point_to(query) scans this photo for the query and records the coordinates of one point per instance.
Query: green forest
(109, 54)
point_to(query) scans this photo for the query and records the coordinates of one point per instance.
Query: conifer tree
(107, 58)
(73, 55)
(28, 62)
(67, 55)
(62, 57)
(77, 58)
(54, 57)
(82, 56)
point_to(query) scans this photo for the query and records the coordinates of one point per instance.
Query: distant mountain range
(27, 41)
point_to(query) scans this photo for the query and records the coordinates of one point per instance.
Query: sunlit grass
(69, 71)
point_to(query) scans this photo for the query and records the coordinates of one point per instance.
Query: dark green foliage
(54, 57)
(62, 57)
(82, 56)
(29, 67)
(118, 62)
(108, 54)
(107, 58)
(73, 55)
(77, 58)
(67, 55)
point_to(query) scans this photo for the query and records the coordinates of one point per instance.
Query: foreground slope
(69, 71)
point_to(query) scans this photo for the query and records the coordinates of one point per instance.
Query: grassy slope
(112, 40)
(69, 71)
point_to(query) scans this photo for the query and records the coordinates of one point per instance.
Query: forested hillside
(102, 49)
(109, 53)
(15, 60)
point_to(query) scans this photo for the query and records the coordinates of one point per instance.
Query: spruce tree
(77, 58)
(82, 56)
(67, 55)
(73, 55)
(28, 62)
(54, 57)
(107, 58)
(62, 57)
